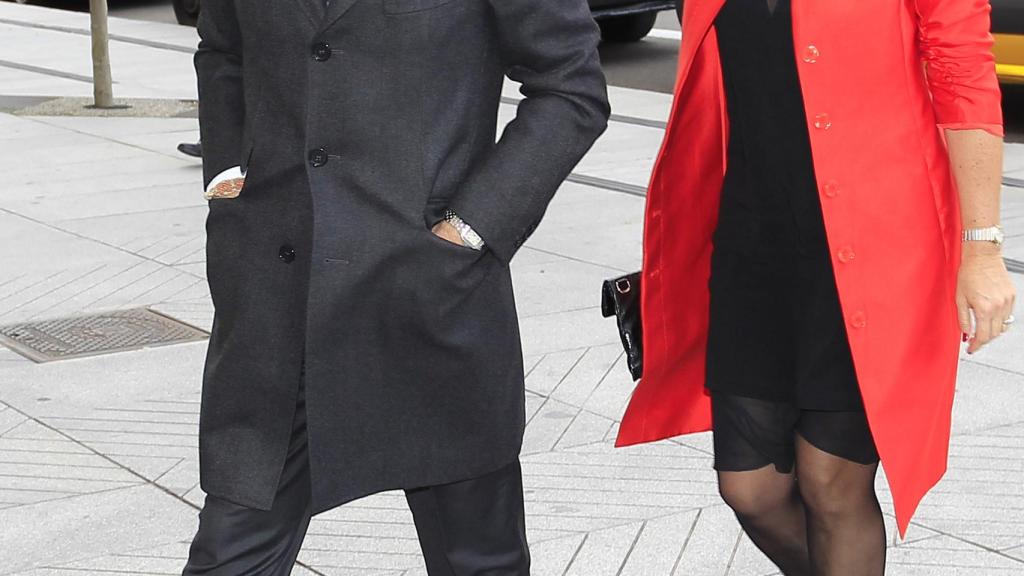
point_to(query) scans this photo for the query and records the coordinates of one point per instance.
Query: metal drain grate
(96, 334)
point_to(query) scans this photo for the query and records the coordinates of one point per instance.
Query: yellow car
(1008, 28)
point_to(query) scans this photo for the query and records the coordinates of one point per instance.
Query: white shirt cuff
(229, 174)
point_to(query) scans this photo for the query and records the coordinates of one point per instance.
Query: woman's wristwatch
(469, 236)
(993, 234)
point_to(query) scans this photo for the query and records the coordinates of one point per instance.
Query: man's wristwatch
(993, 234)
(469, 236)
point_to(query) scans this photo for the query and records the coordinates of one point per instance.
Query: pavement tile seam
(118, 288)
(977, 546)
(580, 409)
(141, 479)
(78, 290)
(686, 543)
(30, 286)
(190, 422)
(576, 259)
(151, 211)
(63, 285)
(173, 155)
(596, 310)
(987, 365)
(171, 469)
(66, 496)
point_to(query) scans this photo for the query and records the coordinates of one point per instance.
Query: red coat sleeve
(956, 45)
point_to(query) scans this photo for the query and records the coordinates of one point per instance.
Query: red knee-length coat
(881, 79)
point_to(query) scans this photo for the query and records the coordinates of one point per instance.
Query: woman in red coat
(821, 232)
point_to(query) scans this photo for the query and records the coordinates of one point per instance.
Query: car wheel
(629, 28)
(186, 11)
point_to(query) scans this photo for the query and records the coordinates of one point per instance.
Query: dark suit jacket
(359, 124)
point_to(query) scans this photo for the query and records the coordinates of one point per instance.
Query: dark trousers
(470, 528)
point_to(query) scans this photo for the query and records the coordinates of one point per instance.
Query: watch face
(999, 236)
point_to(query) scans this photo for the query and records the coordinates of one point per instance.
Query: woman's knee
(835, 491)
(752, 497)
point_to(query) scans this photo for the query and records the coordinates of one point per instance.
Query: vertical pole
(103, 89)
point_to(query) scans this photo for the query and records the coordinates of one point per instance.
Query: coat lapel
(314, 9)
(335, 10)
(698, 16)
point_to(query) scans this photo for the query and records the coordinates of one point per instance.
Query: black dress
(779, 360)
(777, 330)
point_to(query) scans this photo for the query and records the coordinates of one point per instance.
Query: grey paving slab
(1014, 158)
(588, 373)
(133, 188)
(629, 157)
(712, 543)
(948, 555)
(25, 83)
(989, 395)
(125, 129)
(605, 551)
(594, 226)
(552, 556)
(16, 129)
(44, 541)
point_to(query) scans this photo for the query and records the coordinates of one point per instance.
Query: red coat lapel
(698, 16)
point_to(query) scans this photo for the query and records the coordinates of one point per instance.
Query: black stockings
(822, 520)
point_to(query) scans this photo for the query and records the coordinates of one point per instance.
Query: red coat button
(831, 189)
(811, 54)
(858, 320)
(822, 122)
(846, 255)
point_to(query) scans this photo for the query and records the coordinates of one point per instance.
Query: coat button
(318, 157)
(858, 320)
(831, 189)
(286, 253)
(321, 52)
(811, 54)
(822, 122)
(846, 255)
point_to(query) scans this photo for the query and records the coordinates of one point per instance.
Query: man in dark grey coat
(365, 336)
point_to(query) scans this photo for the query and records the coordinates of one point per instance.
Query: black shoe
(194, 150)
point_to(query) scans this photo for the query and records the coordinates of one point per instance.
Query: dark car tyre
(629, 28)
(186, 11)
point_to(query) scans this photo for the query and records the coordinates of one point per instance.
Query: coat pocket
(408, 6)
(246, 157)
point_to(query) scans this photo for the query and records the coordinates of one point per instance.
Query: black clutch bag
(620, 297)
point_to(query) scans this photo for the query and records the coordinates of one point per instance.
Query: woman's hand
(984, 288)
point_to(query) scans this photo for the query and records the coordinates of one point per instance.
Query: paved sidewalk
(98, 464)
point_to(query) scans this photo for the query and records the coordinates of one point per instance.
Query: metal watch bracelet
(993, 234)
(469, 236)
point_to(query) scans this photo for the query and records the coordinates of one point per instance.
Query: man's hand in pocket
(446, 231)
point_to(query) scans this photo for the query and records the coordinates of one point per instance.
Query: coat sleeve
(550, 47)
(218, 63)
(956, 45)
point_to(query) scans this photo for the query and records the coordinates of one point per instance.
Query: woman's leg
(845, 530)
(768, 506)
(754, 457)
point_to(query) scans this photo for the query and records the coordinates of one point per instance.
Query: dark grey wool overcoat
(358, 123)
